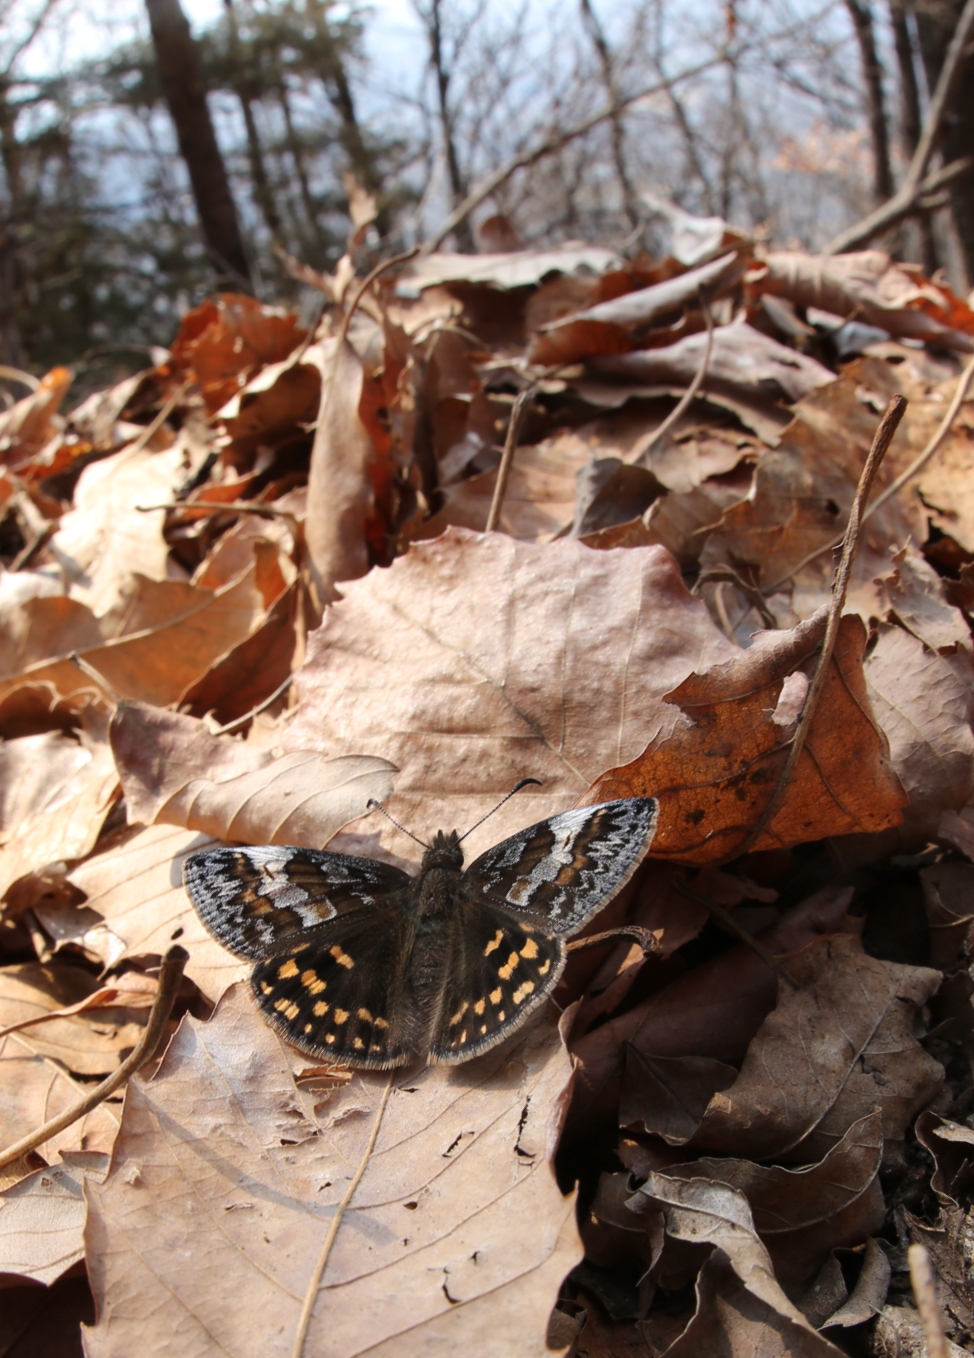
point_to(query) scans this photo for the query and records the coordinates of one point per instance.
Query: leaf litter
(250, 589)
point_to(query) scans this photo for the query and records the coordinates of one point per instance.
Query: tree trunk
(936, 24)
(590, 20)
(181, 78)
(910, 122)
(872, 73)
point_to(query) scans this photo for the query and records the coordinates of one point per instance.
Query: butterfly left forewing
(496, 970)
(341, 992)
(254, 900)
(565, 869)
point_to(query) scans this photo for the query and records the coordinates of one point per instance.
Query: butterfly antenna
(379, 807)
(516, 788)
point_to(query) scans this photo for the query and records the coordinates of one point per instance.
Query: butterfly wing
(497, 969)
(564, 869)
(256, 900)
(343, 992)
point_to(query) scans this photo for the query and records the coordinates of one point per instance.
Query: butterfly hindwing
(341, 993)
(255, 900)
(564, 869)
(497, 969)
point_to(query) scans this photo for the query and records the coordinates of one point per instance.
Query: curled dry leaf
(227, 339)
(29, 423)
(803, 1214)
(712, 1011)
(712, 1213)
(475, 661)
(55, 790)
(457, 1237)
(136, 907)
(175, 772)
(514, 269)
(715, 774)
(36, 1089)
(616, 326)
(86, 1045)
(922, 700)
(170, 633)
(42, 1218)
(340, 494)
(837, 1046)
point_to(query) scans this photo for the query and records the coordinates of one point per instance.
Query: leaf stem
(169, 978)
(314, 1282)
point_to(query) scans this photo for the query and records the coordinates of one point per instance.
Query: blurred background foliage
(156, 168)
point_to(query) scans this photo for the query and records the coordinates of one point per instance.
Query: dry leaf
(42, 1218)
(136, 907)
(835, 1048)
(618, 325)
(86, 1044)
(174, 771)
(517, 269)
(55, 790)
(340, 494)
(226, 340)
(476, 660)
(715, 774)
(457, 1236)
(922, 700)
(36, 1089)
(29, 423)
(172, 635)
(717, 1214)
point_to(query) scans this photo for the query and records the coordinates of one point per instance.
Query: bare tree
(872, 72)
(181, 78)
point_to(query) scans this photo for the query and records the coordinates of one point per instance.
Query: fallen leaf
(175, 772)
(29, 423)
(42, 1218)
(899, 1333)
(173, 634)
(86, 1044)
(922, 701)
(838, 1045)
(36, 1089)
(476, 660)
(227, 339)
(340, 492)
(136, 907)
(618, 325)
(539, 501)
(55, 790)
(717, 1214)
(716, 772)
(512, 269)
(104, 539)
(457, 1236)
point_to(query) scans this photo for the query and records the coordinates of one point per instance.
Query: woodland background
(803, 116)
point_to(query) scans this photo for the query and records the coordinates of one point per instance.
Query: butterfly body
(359, 963)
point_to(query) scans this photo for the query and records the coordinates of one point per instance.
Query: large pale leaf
(226, 1176)
(475, 661)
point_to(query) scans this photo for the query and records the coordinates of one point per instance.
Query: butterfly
(361, 964)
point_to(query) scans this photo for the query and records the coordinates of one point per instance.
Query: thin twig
(170, 976)
(840, 585)
(366, 283)
(915, 186)
(727, 919)
(205, 507)
(915, 467)
(648, 444)
(255, 711)
(314, 1283)
(555, 143)
(727, 575)
(925, 1296)
(8, 374)
(95, 675)
(507, 457)
(39, 541)
(153, 428)
(98, 999)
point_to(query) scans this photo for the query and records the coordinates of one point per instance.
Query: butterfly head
(444, 852)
